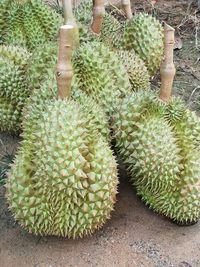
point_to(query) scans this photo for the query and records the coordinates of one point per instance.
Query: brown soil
(135, 236)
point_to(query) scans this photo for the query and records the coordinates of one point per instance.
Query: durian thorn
(126, 5)
(98, 16)
(167, 69)
(64, 70)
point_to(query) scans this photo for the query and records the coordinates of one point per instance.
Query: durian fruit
(100, 74)
(158, 140)
(11, 116)
(29, 23)
(160, 145)
(48, 91)
(111, 28)
(98, 71)
(15, 34)
(144, 34)
(33, 28)
(42, 61)
(14, 87)
(4, 8)
(136, 69)
(64, 178)
(16, 54)
(69, 191)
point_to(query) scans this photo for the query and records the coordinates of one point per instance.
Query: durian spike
(98, 16)
(64, 69)
(167, 69)
(126, 5)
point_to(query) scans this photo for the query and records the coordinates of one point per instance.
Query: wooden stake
(98, 15)
(67, 42)
(126, 4)
(167, 69)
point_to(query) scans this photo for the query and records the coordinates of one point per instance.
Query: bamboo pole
(126, 5)
(64, 69)
(98, 16)
(167, 69)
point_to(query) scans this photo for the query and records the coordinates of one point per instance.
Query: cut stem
(126, 5)
(67, 42)
(98, 16)
(167, 69)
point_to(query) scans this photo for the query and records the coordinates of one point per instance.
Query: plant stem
(67, 42)
(126, 4)
(98, 15)
(167, 69)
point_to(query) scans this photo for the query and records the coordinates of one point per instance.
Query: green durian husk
(29, 23)
(14, 89)
(136, 69)
(98, 71)
(16, 54)
(101, 74)
(111, 29)
(4, 9)
(11, 116)
(43, 61)
(160, 145)
(145, 35)
(64, 175)
(15, 34)
(47, 91)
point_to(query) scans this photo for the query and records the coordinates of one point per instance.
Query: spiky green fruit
(15, 33)
(160, 145)
(4, 8)
(111, 28)
(101, 74)
(98, 71)
(33, 27)
(36, 103)
(42, 61)
(16, 54)
(71, 190)
(11, 116)
(14, 87)
(144, 34)
(29, 23)
(136, 69)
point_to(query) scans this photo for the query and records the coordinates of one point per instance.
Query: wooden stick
(167, 69)
(64, 70)
(126, 5)
(98, 15)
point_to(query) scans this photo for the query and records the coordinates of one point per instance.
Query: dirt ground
(135, 236)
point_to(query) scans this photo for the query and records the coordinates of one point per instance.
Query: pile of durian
(64, 179)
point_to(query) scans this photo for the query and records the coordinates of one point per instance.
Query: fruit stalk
(98, 15)
(126, 5)
(167, 69)
(64, 69)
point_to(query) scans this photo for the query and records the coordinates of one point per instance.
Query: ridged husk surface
(101, 74)
(136, 69)
(98, 70)
(28, 23)
(47, 91)
(14, 89)
(160, 144)
(64, 178)
(144, 34)
(111, 28)
(42, 61)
